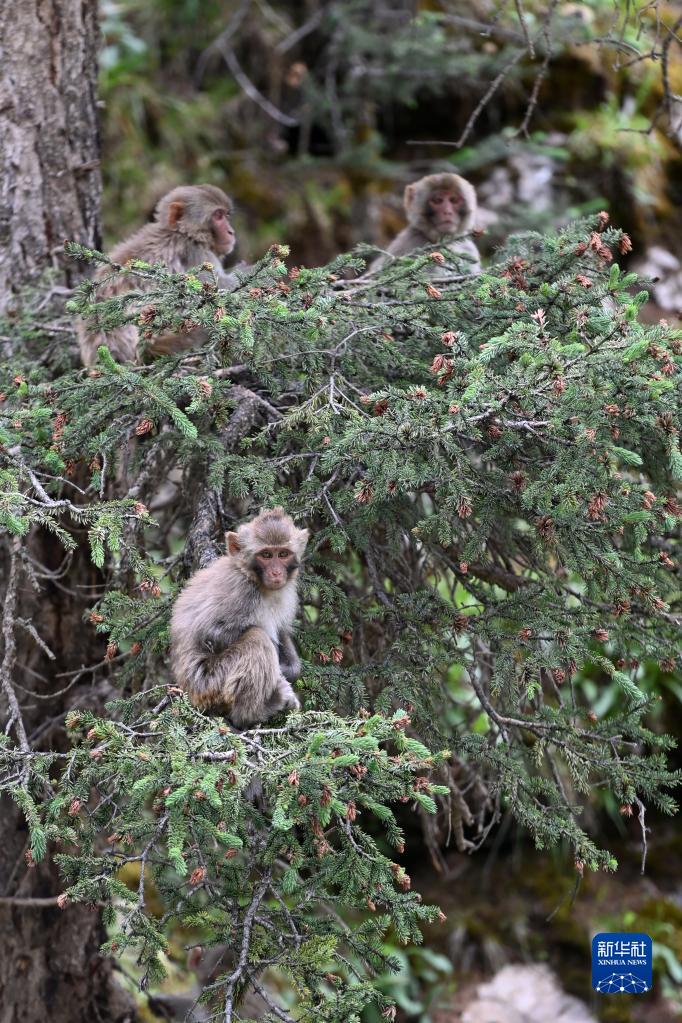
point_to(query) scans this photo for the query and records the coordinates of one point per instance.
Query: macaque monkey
(191, 226)
(231, 646)
(440, 209)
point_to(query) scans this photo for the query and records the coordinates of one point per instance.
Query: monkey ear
(175, 212)
(408, 198)
(233, 544)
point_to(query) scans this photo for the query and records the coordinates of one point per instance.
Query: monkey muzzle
(447, 220)
(275, 578)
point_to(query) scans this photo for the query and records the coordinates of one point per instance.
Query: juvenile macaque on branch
(191, 227)
(440, 210)
(231, 645)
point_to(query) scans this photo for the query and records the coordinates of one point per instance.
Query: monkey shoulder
(217, 592)
(145, 243)
(407, 241)
(462, 246)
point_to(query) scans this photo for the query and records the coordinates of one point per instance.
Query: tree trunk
(50, 182)
(50, 189)
(50, 967)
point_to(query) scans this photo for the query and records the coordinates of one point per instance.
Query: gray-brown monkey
(231, 644)
(191, 226)
(440, 209)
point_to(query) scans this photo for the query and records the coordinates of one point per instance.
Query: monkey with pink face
(231, 645)
(440, 210)
(191, 227)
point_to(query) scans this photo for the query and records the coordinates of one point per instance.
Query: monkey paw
(294, 703)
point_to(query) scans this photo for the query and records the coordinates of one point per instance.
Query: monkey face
(444, 210)
(222, 232)
(274, 566)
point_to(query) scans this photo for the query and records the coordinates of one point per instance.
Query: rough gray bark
(50, 967)
(50, 189)
(50, 182)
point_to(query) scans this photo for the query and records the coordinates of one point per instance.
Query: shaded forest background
(313, 117)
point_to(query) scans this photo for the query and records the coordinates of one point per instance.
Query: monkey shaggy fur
(421, 231)
(178, 243)
(231, 646)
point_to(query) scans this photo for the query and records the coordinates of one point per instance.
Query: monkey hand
(291, 670)
(289, 697)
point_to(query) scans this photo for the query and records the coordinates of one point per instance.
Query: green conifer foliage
(490, 470)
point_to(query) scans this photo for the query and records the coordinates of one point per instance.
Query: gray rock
(664, 265)
(525, 994)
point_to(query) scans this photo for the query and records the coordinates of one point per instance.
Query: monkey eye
(285, 554)
(219, 215)
(265, 554)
